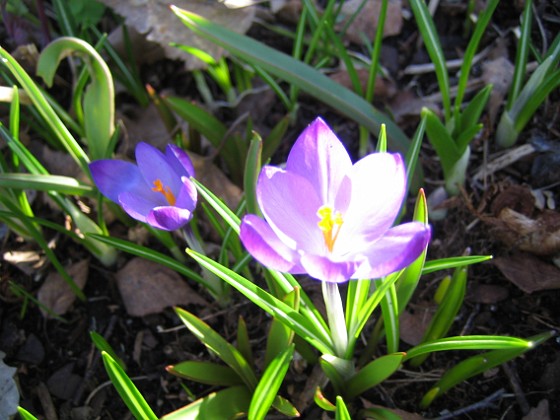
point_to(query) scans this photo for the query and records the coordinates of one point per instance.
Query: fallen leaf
(148, 288)
(539, 236)
(27, 261)
(540, 412)
(161, 25)
(9, 395)
(528, 272)
(215, 180)
(56, 294)
(499, 73)
(487, 294)
(384, 88)
(63, 383)
(365, 22)
(413, 325)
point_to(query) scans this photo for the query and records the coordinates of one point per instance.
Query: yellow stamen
(166, 191)
(330, 225)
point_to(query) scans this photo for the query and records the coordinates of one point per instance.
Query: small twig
(485, 403)
(517, 390)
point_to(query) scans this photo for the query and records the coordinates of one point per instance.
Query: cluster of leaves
(89, 133)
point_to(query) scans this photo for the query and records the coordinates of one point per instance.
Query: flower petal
(154, 165)
(168, 217)
(377, 188)
(186, 199)
(137, 206)
(265, 246)
(113, 177)
(179, 161)
(322, 268)
(289, 204)
(398, 248)
(320, 157)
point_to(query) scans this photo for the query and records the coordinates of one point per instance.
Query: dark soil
(61, 375)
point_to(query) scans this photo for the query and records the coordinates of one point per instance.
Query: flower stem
(335, 315)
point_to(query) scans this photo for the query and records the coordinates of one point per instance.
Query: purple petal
(138, 206)
(320, 157)
(186, 199)
(289, 203)
(265, 246)
(113, 177)
(322, 268)
(154, 165)
(168, 217)
(397, 249)
(378, 186)
(179, 161)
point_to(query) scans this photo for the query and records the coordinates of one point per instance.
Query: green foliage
(451, 138)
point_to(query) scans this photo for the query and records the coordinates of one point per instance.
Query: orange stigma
(166, 191)
(330, 224)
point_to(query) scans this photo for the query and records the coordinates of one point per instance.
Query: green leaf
(297, 73)
(268, 303)
(46, 111)
(453, 262)
(229, 403)
(322, 401)
(447, 310)
(62, 184)
(26, 415)
(103, 346)
(219, 346)
(243, 343)
(373, 374)
(341, 412)
(379, 413)
(252, 170)
(206, 373)
(479, 30)
(338, 370)
(99, 98)
(442, 142)
(522, 55)
(468, 342)
(472, 112)
(475, 365)
(269, 384)
(127, 390)
(433, 46)
(280, 336)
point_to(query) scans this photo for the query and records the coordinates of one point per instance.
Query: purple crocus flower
(330, 218)
(156, 191)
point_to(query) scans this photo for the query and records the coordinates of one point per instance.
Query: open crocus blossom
(330, 218)
(156, 191)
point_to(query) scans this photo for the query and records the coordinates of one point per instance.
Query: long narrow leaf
(297, 73)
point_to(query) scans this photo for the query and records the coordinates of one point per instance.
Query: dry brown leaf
(499, 73)
(413, 326)
(540, 412)
(384, 88)
(368, 16)
(529, 273)
(27, 261)
(539, 236)
(214, 179)
(148, 288)
(487, 294)
(155, 18)
(56, 294)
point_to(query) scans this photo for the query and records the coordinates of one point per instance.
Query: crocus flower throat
(330, 224)
(166, 191)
